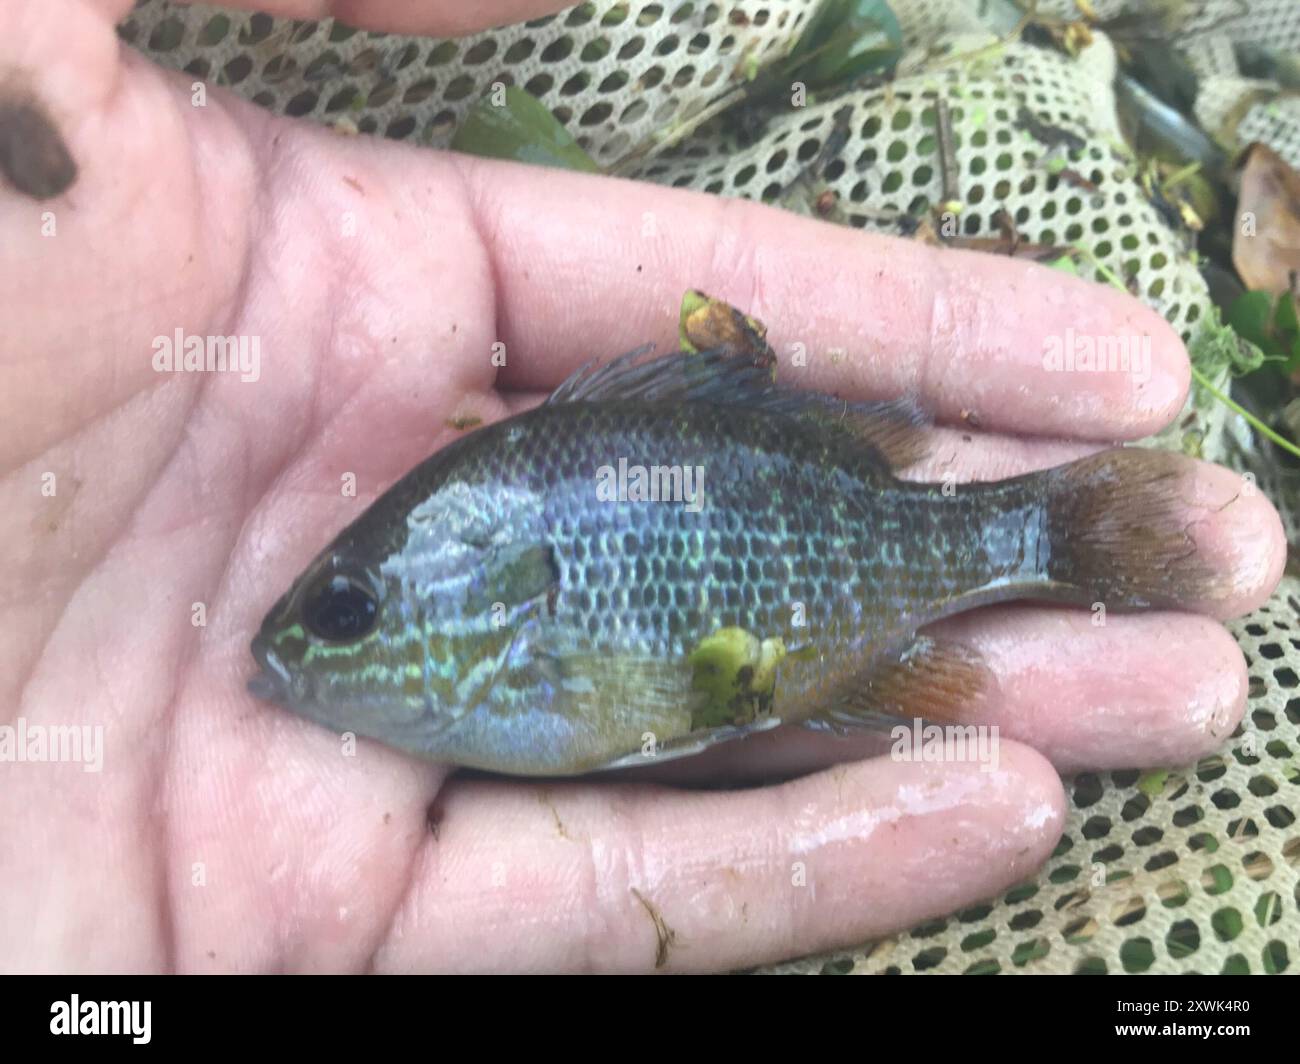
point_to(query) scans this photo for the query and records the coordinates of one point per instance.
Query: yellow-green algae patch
(735, 671)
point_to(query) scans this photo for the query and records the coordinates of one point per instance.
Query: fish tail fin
(1119, 531)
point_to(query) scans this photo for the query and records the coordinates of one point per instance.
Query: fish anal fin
(934, 679)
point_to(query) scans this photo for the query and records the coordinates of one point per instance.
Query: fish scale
(851, 549)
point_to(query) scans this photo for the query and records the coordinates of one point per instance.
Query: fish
(675, 551)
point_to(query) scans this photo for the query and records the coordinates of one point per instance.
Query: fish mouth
(272, 682)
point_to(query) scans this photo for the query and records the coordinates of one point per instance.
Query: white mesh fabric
(1240, 111)
(614, 72)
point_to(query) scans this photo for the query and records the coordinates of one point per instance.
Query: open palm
(224, 834)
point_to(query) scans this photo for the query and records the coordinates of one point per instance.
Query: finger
(586, 267)
(293, 851)
(1141, 691)
(636, 878)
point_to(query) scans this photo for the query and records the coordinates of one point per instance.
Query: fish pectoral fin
(934, 679)
(624, 689)
(638, 709)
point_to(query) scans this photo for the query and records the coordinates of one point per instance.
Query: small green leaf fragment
(844, 40)
(1153, 783)
(1217, 346)
(1250, 315)
(521, 129)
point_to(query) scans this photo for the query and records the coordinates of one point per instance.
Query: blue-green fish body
(672, 553)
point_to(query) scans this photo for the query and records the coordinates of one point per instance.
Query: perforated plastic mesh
(1240, 111)
(890, 167)
(1195, 872)
(615, 72)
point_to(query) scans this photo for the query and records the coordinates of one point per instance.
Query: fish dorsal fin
(891, 434)
(718, 376)
(895, 429)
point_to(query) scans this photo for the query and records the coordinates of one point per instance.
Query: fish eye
(340, 610)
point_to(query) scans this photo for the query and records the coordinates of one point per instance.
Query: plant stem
(1235, 407)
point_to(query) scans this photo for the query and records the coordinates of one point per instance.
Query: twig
(947, 152)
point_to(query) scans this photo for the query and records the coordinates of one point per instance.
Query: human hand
(225, 834)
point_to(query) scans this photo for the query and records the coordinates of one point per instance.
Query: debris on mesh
(1061, 172)
(1011, 135)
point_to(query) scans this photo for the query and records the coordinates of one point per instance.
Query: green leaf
(846, 39)
(521, 129)
(829, 15)
(1287, 327)
(1284, 320)
(1273, 328)
(859, 63)
(1293, 358)
(1217, 345)
(1153, 782)
(1250, 315)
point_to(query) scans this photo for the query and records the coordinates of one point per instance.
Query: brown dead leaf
(1266, 244)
